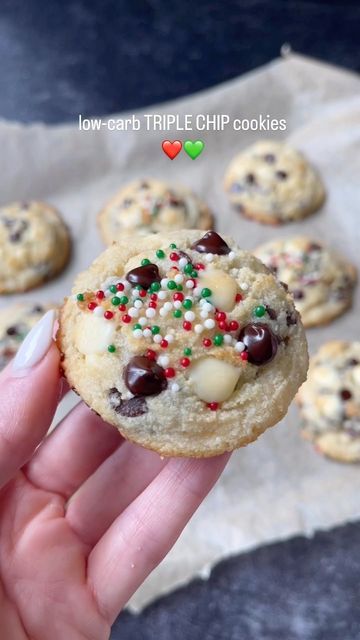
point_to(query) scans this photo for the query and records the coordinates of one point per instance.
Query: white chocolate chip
(213, 380)
(223, 288)
(93, 334)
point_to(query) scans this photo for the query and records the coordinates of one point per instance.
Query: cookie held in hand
(184, 342)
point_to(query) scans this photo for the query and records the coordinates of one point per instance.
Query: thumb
(29, 391)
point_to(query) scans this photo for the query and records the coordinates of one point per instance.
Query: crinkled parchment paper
(278, 486)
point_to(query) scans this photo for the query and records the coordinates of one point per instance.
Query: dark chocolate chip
(260, 342)
(144, 276)
(345, 394)
(250, 178)
(298, 294)
(284, 285)
(282, 175)
(269, 157)
(143, 377)
(211, 242)
(115, 399)
(271, 313)
(133, 407)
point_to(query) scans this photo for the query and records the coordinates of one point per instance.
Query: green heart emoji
(194, 148)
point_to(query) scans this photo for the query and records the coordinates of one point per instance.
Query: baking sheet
(278, 486)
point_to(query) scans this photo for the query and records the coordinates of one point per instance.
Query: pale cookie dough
(35, 245)
(146, 206)
(184, 342)
(273, 183)
(330, 401)
(16, 320)
(321, 281)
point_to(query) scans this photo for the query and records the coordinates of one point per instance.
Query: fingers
(144, 533)
(29, 390)
(116, 483)
(72, 452)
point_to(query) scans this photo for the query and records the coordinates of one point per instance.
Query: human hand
(85, 516)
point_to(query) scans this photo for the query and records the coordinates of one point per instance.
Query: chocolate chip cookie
(273, 183)
(146, 206)
(35, 245)
(321, 281)
(184, 342)
(330, 401)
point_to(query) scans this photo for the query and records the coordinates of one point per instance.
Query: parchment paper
(278, 486)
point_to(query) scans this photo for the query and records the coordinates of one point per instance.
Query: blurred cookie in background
(16, 320)
(321, 281)
(150, 205)
(273, 183)
(35, 245)
(330, 401)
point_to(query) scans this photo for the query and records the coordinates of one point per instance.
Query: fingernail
(36, 344)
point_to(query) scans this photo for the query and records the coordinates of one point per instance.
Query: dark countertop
(100, 56)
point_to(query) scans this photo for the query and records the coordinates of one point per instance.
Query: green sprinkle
(155, 286)
(155, 329)
(111, 348)
(187, 304)
(206, 293)
(115, 301)
(144, 262)
(124, 300)
(260, 311)
(80, 297)
(136, 326)
(194, 274)
(177, 313)
(138, 287)
(171, 284)
(187, 351)
(113, 288)
(160, 254)
(188, 268)
(179, 287)
(218, 339)
(173, 246)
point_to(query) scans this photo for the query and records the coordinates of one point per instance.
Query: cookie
(330, 401)
(184, 342)
(35, 245)
(321, 281)
(146, 206)
(273, 183)
(16, 321)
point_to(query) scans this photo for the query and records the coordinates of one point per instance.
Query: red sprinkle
(221, 315)
(199, 266)
(109, 315)
(122, 307)
(142, 293)
(100, 294)
(120, 286)
(126, 318)
(238, 297)
(187, 325)
(178, 296)
(164, 343)
(213, 406)
(92, 306)
(233, 326)
(174, 256)
(223, 325)
(170, 372)
(153, 297)
(185, 362)
(244, 355)
(152, 304)
(150, 354)
(207, 342)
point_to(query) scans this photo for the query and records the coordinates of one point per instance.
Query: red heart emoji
(171, 148)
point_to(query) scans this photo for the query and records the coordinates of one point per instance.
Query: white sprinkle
(142, 321)
(137, 333)
(135, 293)
(163, 312)
(204, 313)
(147, 333)
(179, 278)
(209, 257)
(182, 262)
(162, 295)
(126, 284)
(177, 304)
(108, 293)
(189, 315)
(197, 291)
(202, 302)
(157, 338)
(138, 304)
(163, 361)
(198, 328)
(209, 323)
(239, 347)
(231, 255)
(227, 338)
(133, 313)
(208, 307)
(189, 284)
(150, 313)
(169, 337)
(168, 306)
(164, 282)
(98, 312)
(175, 387)
(244, 286)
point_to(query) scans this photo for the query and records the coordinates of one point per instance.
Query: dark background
(59, 59)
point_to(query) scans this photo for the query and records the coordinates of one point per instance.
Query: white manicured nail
(36, 344)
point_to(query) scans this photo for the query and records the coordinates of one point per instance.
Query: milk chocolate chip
(260, 342)
(211, 242)
(143, 377)
(144, 276)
